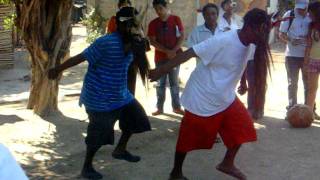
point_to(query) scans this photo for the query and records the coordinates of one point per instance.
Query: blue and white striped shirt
(105, 84)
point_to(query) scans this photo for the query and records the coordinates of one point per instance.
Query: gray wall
(185, 9)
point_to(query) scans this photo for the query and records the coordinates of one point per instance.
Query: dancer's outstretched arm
(73, 61)
(179, 59)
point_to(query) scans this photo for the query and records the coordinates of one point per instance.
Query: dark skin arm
(75, 60)
(243, 88)
(155, 74)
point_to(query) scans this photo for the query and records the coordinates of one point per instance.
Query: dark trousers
(294, 65)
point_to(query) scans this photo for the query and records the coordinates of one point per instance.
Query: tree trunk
(46, 27)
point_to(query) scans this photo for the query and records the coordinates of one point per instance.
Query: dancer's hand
(242, 89)
(171, 54)
(155, 74)
(53, 73)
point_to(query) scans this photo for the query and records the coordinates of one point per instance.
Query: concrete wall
(186, 9)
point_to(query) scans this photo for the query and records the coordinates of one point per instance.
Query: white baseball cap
(301, 4)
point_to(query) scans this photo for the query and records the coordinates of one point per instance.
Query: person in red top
(111, 24)
(166, 34)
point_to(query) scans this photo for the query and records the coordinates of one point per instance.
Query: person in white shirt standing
(227, 21)
(210, 27)
(294, 32)
(209, 97)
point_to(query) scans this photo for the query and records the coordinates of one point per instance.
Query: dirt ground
(53, 147)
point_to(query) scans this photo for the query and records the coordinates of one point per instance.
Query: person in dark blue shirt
(105, 92)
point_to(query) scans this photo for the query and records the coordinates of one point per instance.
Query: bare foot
(177, 175)
(231, 171)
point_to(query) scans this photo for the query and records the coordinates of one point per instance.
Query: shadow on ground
(280, 149)
(63, 156)
(9, 119)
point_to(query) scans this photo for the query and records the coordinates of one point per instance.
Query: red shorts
(234, 125)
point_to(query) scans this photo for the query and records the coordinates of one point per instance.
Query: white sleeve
(251, 52)
(208, 49)
(9, 168)
(285, 24)
(192, 38)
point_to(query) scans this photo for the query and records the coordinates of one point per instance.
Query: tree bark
(46, 27)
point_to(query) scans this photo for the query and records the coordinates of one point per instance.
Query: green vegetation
(95, 23)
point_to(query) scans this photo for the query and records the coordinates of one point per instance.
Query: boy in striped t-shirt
(105, 93)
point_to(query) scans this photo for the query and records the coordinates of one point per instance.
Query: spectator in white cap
(294, 32)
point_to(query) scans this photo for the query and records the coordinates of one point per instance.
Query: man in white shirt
(209, 29)
(209, 97)
(294, 32)
(9, 168)
(226, 19)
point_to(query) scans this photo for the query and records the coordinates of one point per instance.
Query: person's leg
(120, 152)
(227, 165)
(309, 74)
(236, 129)
(250, 79)
(176, 172)
(292, 66)
(133, 119)
(161, 92)
(305, 81)
(196, 132)
(174, 90)
(313, 79)
(87, 170)
(99, 132)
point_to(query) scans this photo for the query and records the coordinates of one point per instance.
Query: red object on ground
(300, 116)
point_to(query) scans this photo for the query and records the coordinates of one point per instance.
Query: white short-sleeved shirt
(223, 24)
(211, 86)
(200, 34)
(298, 30)
(9, 168)
(252, 50)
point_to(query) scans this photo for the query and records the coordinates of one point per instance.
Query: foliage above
(95, 23)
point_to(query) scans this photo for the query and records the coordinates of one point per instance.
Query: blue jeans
(293, 66)
(174, 88)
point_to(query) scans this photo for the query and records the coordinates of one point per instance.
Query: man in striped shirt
(105, 93)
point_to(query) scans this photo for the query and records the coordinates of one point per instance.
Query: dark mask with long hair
(135, 42)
